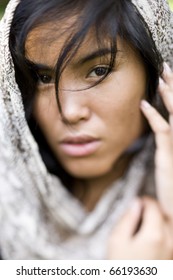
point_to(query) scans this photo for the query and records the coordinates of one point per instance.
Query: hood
(26, 188)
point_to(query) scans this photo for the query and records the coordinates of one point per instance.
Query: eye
(45, 79)
(100, 71)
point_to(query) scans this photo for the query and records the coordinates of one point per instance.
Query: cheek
(123, 110)
(45, 112)
(123, 117)
(130, 89)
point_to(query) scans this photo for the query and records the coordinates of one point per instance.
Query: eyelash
(45, 79)
(101, 68)
(104, 71)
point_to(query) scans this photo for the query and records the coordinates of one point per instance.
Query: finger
(155, 223)
(167, 75)
(163, 159)
(164, 185)
(163, 135)
(166, 92)
(162, 131)
(129, 222)
(155, 230)
(153, 219)
(156, 121)
(166, 87)
(164, 178)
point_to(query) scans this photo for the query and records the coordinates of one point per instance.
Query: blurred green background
(171, 3)
(3, 4)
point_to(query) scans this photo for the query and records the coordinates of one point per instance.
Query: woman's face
(98, 123)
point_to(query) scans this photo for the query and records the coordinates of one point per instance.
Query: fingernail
(145, 104)
(167, 68)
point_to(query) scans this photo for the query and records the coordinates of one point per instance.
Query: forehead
(46, 41)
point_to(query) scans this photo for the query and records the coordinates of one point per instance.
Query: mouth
(79, 146)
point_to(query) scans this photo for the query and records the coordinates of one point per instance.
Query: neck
(90, 190)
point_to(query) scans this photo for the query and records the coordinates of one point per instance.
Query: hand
(151, 241)
(163, 131)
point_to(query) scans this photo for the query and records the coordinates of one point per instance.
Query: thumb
(129, 223)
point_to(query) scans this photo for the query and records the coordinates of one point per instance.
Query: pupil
(45, 79)
(100, 71)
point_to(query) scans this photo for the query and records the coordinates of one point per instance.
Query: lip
(79, 146)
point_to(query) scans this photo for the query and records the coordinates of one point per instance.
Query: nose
(74, 107)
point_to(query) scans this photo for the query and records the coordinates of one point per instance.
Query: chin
(87, 170)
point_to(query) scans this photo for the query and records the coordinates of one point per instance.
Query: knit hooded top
(39, 218)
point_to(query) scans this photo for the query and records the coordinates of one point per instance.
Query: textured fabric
(39, 219)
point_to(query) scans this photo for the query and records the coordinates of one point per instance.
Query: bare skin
(105, 112)
(163, 131)
(153, 240)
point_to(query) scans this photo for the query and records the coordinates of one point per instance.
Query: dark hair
(110, 18)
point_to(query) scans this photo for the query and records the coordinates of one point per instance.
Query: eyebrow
(44, 67)
(93, 55)
(39, 66)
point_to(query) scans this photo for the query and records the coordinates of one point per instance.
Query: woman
(76, 147)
